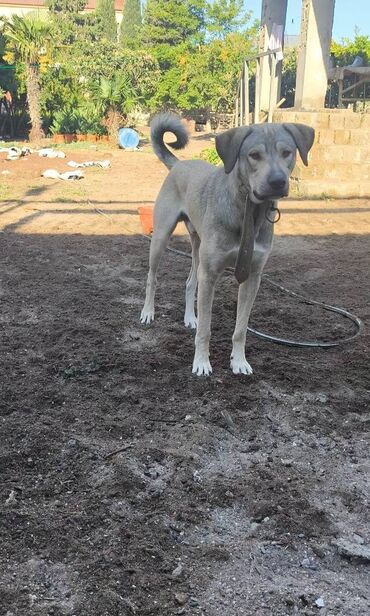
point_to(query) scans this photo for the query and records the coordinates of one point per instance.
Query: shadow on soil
(130, 486)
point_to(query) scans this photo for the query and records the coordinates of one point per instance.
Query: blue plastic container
(128, 138)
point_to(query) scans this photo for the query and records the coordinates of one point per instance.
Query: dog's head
(264, 155)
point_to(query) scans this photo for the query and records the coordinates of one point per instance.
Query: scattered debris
(181, 598)
(349, 549)
(16, 153)
(51, 153)
(12, 499)
(309, 563)
(117, 451)
(178, 571)
(197, 478)
(104, 164)
(53, 174)
(319, 550)
(130, 604)
(320, 602)
(229, 422)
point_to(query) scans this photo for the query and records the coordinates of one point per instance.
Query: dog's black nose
(277, 182)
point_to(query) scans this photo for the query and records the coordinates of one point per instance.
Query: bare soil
(129, 486)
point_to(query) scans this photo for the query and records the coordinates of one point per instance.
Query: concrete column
(313, 54)
(273, 11)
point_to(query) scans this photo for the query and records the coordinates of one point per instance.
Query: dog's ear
(303, 136)
(228, 145)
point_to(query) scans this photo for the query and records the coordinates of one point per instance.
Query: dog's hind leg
(190, 319)
(165, 221)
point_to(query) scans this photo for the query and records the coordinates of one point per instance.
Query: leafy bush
(64, 122)
(80, 120)
(210, 156)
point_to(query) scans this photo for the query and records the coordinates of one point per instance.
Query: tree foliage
(66, 6)
(346, 51)
(173, 22)
(225, 17)
(202, 77)
(106, 14)
(186, 55)
(130, 24)
(27, 38)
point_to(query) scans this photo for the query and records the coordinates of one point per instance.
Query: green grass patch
(210, 156)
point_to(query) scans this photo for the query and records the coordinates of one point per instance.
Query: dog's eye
(286, 153)
(255, 155)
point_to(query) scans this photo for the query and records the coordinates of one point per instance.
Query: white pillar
(273, 12)
(313, 54)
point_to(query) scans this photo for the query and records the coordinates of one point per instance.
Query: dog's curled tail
(168, 122)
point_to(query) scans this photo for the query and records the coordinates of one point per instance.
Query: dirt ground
(129, 486)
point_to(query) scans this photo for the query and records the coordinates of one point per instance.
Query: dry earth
(128, 486)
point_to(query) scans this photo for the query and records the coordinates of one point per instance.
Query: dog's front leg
(246, 296)
(206, 290)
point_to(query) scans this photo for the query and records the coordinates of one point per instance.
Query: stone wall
(339, 162)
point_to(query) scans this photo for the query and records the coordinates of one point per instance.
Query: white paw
(240, 366)
(147, 316)
(202, 367)
(191, 321)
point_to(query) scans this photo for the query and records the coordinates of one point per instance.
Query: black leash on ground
(311, 302)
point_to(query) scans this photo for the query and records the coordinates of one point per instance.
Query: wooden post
(237, 109)
(241, 101)
(272, 101)
(340, 93)
(257, 98)
(246, 94)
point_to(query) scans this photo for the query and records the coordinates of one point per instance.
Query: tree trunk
(33, 100)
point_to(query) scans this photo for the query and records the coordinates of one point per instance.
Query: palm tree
(113, 97)
(28, 36)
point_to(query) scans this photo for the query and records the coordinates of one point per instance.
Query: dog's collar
(273, 209)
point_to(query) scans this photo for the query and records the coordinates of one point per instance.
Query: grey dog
(226, 210)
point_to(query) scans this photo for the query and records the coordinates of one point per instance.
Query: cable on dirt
(311, 302)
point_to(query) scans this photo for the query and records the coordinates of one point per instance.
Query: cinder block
(284, 116)
(341, 136)
(300, 172)
(352, 121)
(330, 188)
(340, 171)
(306, 117)
(365, 154)
(359, 137)
(337, 153)
(336, 120)
(365, 120)
(322, 120)
(325, 136)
